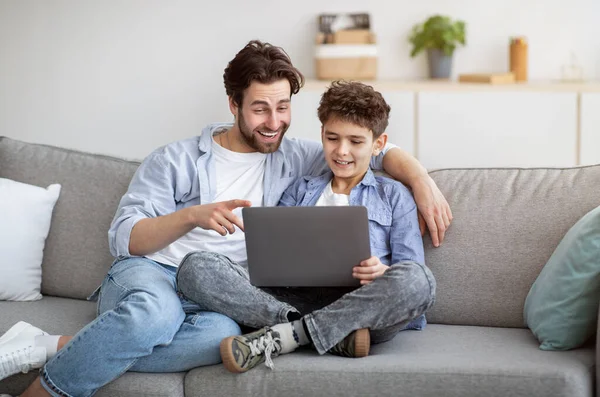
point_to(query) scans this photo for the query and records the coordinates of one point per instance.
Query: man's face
(348, 148)
(263, 117)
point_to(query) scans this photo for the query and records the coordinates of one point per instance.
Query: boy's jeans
(143, 325)
(385, 306)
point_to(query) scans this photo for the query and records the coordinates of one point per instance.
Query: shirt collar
(369, 178)
(205, 141)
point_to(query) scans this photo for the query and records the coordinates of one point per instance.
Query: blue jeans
(143, 325)
(386, 306)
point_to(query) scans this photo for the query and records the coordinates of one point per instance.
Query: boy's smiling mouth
(342, 162)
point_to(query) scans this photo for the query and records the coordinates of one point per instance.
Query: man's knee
(154, 316)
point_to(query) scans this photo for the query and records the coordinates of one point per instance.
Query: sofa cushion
(507, 223)
(76, 255)
(131, 384)
(442, 360)
(25, 217)
(62, 316)
(562, 306)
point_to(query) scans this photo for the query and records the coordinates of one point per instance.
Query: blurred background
(122, 77)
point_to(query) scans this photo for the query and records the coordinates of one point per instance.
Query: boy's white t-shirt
(329, 198)
(239, 176)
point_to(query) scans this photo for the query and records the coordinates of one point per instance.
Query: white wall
(122, 77)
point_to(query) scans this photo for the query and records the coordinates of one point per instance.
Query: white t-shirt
(239, 176)
(329, 198)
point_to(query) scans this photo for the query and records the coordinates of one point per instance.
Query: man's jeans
(143, 325)
(385, 306)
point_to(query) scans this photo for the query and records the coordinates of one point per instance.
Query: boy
(354, 117)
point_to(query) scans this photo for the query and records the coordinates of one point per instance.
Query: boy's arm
(431, 203)
(406, 242)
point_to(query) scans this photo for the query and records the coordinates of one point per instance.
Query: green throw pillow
(562, 306)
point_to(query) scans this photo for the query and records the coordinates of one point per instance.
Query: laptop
(305, 246)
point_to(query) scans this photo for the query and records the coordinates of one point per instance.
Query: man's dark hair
(261, 62)
(356, 103)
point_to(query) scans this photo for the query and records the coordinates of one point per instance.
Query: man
(185, 197)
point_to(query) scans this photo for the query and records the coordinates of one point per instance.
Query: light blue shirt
(182, 174)
(393, 224)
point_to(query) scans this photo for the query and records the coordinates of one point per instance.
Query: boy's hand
(218, 216)
(369, 270)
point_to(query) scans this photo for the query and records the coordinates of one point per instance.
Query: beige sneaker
(241, 353)
(357, 344)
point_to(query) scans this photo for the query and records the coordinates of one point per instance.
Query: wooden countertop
(455, 86)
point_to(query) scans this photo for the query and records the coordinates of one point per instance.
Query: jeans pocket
(94, 296)
(110, 294)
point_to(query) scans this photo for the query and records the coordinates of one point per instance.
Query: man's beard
(250, 138)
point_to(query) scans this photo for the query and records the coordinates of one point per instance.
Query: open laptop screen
(305, 246)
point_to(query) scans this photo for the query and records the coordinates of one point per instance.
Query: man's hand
(433, 209)
(369, 270)
(218, 216)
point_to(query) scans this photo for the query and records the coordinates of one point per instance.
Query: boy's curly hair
(356, 103)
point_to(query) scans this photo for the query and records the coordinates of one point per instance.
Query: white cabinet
(401, 129)
(448, 124)
(497, 129)
(590, 128)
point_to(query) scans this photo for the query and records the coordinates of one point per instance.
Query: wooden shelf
(454, 86)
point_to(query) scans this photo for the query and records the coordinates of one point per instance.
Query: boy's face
(263, 117)
(348, 148)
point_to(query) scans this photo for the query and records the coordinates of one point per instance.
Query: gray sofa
(507, 224)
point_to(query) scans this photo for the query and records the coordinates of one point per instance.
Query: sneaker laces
(16, 361)
(265, 344)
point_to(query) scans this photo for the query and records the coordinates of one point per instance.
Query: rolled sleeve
(119, 236)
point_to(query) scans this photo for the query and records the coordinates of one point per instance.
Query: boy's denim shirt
(393, 223)
(182, 174)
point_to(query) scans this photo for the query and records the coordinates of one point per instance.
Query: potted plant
(440, 36)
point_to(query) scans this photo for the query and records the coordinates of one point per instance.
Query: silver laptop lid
(305, 246)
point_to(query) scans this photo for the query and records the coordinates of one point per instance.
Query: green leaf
(438, 31)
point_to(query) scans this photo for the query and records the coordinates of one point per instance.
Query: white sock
(300, 332)
(50, 342)
(292, 335)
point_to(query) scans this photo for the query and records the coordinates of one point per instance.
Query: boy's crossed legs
(290, 317)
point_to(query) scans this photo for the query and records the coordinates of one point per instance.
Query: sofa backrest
(507, 223)
(76, 255)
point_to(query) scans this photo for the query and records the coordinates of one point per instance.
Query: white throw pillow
(25, 215)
